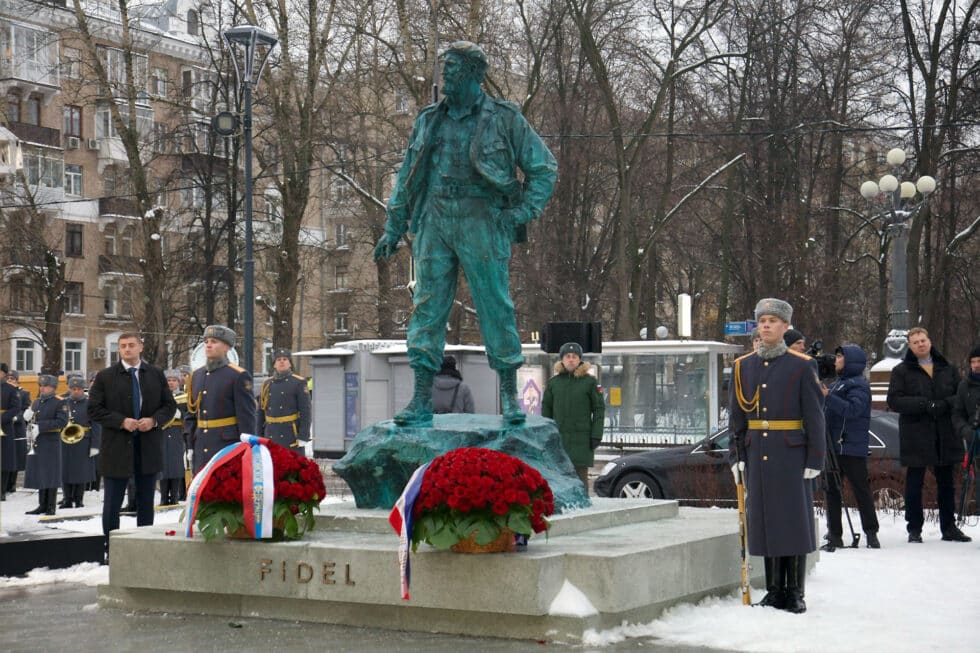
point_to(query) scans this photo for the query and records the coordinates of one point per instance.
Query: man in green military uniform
(573, 399)
(458, 193)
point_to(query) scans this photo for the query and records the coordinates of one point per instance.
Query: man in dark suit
(9, 408)
(131, 400)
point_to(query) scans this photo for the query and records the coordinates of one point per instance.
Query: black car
(701, 474)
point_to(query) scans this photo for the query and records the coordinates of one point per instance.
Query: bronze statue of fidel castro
(458, 193)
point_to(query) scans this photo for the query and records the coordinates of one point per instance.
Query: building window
(44, 167)
(13, 107)
(158, 82)
(114, 62)
(23, 298)
(340, 235)
(24, 353)
(192, 23)
(106, 128)
(73, 183)
(401, 320)
(114, 351)
(73, 121)
(73, 298)
(401, 101)
(73, 240)
(126, 242)
(340, 274)
(109, 300)
(267, 361)
(340, 322)
(32, 113)
(73, 356)
(71, 63)
(109, 237)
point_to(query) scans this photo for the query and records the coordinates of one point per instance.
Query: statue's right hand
(386, 247)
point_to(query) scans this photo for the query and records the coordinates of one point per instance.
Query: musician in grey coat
(77, 462)
(48, 415)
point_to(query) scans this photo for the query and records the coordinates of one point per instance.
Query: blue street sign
(742, 328)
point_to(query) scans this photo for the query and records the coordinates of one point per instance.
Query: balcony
(117, 207)
(119, 265)
(35, 134)
(28, 61)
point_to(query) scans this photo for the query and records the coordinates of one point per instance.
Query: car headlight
(607, 468)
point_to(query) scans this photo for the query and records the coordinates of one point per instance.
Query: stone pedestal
(619, 560)
(384, 455)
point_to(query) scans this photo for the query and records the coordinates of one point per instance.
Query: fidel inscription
(286, 571)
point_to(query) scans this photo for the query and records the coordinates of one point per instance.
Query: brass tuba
(72, 433)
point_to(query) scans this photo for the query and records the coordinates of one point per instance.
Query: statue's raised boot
(418, 412)
(508, 397)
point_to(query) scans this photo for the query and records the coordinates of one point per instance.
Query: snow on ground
(903, 597)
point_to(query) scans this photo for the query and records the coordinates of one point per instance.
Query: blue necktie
(134, 373)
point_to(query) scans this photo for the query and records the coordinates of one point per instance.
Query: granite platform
(619, 560)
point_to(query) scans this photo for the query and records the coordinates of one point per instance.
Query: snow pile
(571, 602)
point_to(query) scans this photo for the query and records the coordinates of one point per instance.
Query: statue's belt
(461, 189)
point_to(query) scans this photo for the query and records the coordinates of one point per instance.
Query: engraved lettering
(347, 579)
(304, 572)
(283, 566)
(328, 571)
(265, 567)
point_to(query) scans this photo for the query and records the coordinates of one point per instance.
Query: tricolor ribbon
(258, 484)
(401, 519)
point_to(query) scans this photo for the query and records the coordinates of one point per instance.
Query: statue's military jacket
(777, 423)
(503, 142)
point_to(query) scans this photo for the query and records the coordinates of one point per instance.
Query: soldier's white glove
(33, 431)
(189, 459)
(307, 446)
(93, 452)
(737, 470)
(28, 414)
(809, 473)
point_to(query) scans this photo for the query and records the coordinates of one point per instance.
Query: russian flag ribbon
(401, 518)
(258, 484)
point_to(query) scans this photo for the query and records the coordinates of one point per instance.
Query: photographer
(847, 407)
(966, 406)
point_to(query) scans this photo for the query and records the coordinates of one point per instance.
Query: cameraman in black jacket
(966, 408)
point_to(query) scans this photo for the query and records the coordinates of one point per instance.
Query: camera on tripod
(826, 363)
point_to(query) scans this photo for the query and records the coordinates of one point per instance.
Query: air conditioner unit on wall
(93, 143)
(72, 143)
(98, 353)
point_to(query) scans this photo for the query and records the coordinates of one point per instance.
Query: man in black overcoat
(9, 409)
(922, 390)
(778, 425)
(131, 401)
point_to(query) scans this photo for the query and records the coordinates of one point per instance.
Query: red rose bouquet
(479, 492)
(299, 489)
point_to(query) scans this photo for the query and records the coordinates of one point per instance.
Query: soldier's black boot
(79, 494)
(509, 406)
(775, 597)
(66, 495)
(51, 500)
(418, 412)
(795, 583)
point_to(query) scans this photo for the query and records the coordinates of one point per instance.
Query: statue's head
(463, 63)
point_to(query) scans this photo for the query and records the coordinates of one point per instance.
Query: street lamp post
(900, 206)
(244, 43)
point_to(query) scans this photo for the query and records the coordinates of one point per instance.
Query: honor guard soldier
(172, 476)
(9, 409)
(46, 417)
(19, 429)
(284, 405)
(79, 445)
(220, 405)
(778, 425)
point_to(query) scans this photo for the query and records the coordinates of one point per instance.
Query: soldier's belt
(776, 424)
(173, 422)
(282, 420)
(216, 423)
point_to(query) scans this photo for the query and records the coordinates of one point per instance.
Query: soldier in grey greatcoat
(777, 422)
(172, 475)
(284, 404)
(220, 404)
(45, 419)
(77, 460)
(19, 429)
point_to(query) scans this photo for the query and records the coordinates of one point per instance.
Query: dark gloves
(594, 443)
(937, 408)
